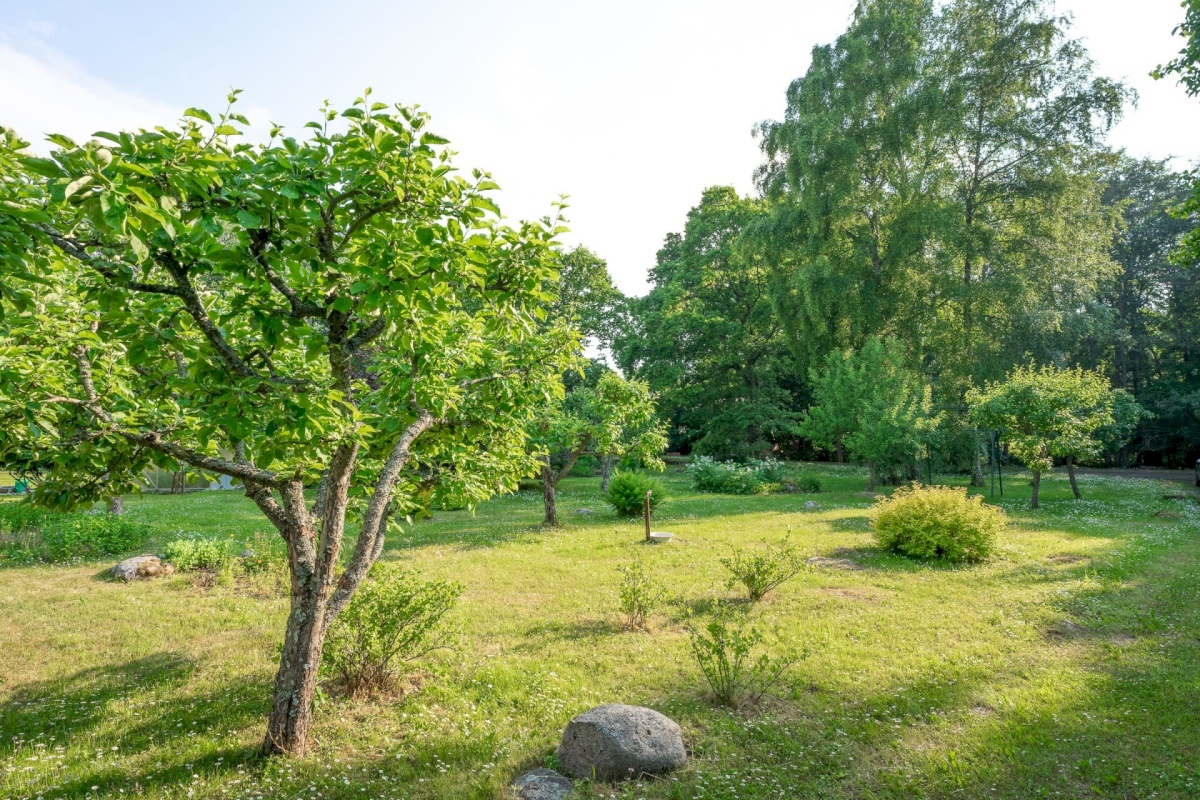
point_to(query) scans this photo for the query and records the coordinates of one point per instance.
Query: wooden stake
(647, 503)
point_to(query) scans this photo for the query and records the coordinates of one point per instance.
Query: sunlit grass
(1067, 666)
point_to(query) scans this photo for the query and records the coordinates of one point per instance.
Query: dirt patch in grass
(863, 594)
(1067, 558)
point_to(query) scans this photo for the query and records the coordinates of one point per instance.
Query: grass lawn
(1068, 666)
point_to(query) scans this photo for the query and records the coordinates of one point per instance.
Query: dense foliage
(938, 182)
(730, 477)
(30, 533)
(937, 522)
(189, 555)
(707, 340)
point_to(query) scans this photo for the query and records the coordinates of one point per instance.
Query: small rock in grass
(141, 567)
(542, 784)
(1175, 497)
(618, 742)
(812, 504)
(584, 512)
(1169, 515)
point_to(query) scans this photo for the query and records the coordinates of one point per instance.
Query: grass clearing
(1067, 666)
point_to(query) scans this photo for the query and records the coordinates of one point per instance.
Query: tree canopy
(706, 338)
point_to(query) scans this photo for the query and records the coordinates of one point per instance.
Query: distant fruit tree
(340, 311)
(1047, 413)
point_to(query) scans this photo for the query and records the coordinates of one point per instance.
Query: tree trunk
(606, 465)
(116, 505)
(1037, 484)
(311, 564)
(290, 723)
(840, 452)
(870, 477)
(977, 464)
(548, 493)
(1071, 474)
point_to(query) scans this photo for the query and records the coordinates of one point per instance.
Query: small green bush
(640, 593)
(190, 555)
(28, 533)
(393, 618)
(724, 653)
(627, 492)
(807, 483)
(937, 522)
(763, 571)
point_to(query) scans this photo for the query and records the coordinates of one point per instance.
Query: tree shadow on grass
(101, 718)
(63, 708)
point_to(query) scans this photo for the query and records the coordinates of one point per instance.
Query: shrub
(724, 653)
(807, 483)
(393, 618)
(18, 517)
(627, 492)
(764, 571)
(724, 477)
(939, 522)
(729, 477)
(640, 593)
(31, 533)
(189, 555)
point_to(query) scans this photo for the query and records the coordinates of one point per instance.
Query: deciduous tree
(340, 310)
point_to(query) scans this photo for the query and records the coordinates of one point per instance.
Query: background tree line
(939, 186)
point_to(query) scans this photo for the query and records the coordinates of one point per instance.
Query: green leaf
(432, 138)
(353, 113)
(343, 304)
(139, 248)
(77, 184)
(198, 113)
(425, 236)
(226, 130)
(62, 141)
(248, 218)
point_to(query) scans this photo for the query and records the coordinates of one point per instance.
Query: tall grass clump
(937, 522)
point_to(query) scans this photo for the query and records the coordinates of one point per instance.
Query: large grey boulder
(616, 742)
(141, 567)
(542, 784)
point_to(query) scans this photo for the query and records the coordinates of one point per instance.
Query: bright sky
(631, 108)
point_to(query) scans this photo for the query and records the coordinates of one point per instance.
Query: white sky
(631, 108)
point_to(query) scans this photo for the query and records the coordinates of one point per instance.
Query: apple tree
(341, 312)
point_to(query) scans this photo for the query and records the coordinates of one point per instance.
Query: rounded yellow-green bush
(937, 522)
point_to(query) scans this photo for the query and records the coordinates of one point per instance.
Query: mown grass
(1068, 666)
